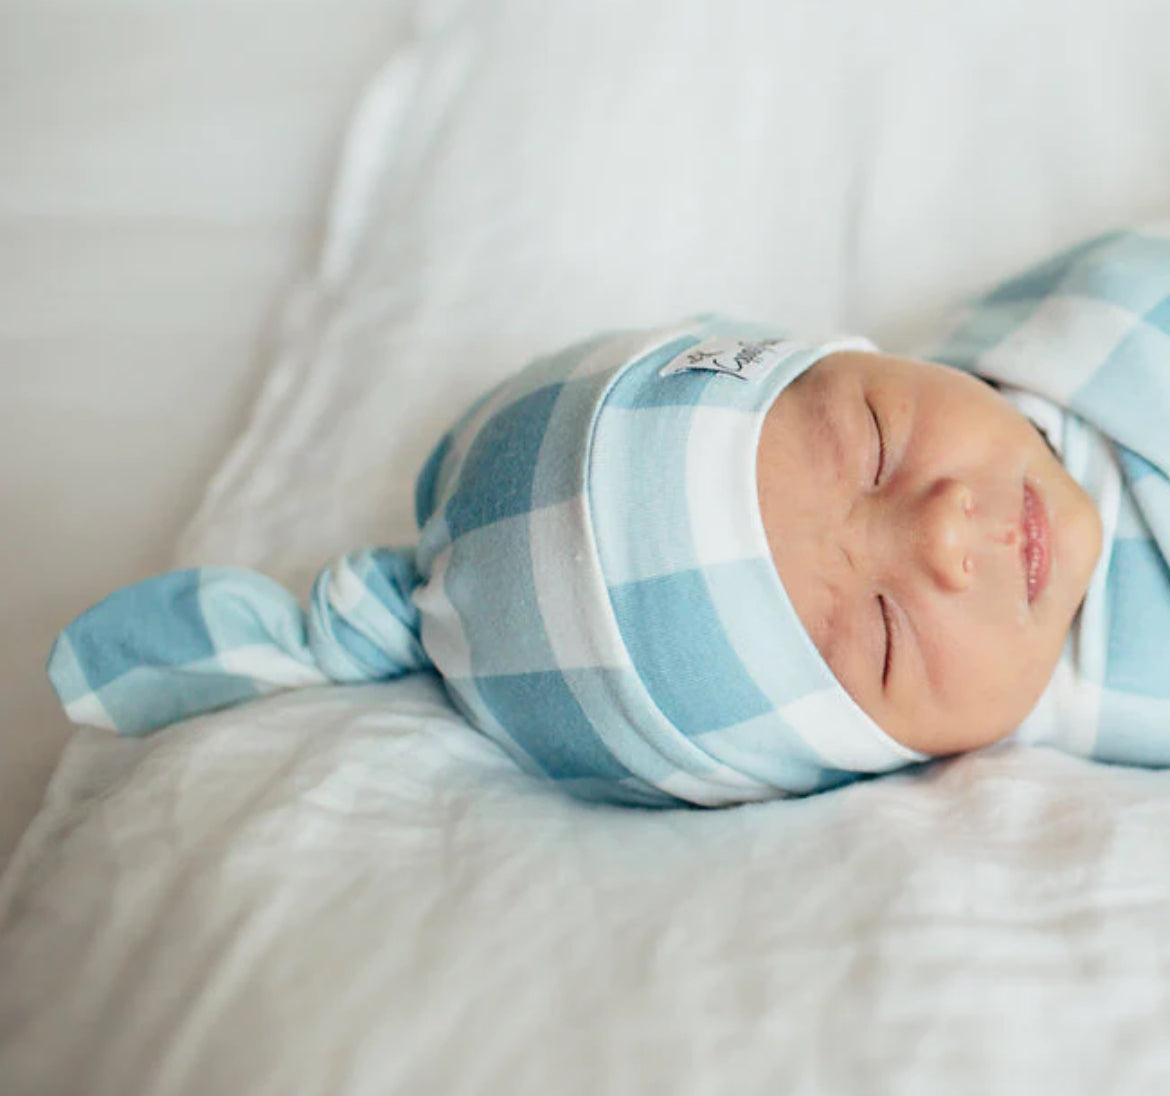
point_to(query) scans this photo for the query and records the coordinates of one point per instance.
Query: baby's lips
(1035, 546)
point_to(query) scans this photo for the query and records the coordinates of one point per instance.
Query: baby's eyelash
(885, 611)
(881, 440)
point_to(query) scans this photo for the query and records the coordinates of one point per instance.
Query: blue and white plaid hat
(600, 595)
(593, 582)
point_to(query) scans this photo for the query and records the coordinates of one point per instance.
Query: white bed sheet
(348, 891)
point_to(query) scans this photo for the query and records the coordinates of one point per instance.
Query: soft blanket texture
(347, 890)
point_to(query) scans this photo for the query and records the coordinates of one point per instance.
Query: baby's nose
(945, 531)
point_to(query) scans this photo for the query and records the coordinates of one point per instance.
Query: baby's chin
(946, 734)
(947, 741)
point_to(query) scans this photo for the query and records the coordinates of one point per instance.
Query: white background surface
(162, 174)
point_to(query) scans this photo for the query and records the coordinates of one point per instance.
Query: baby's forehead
(841, 375)
(880, 363)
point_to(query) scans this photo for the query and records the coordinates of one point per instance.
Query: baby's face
(933, 546)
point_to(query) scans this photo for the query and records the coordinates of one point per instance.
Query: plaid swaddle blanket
(1088, 333)
(592, 582)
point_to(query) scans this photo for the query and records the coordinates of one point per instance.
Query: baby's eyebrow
(826, 428)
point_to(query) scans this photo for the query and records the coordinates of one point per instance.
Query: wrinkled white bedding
(347, 890)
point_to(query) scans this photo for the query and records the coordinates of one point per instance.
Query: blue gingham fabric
(200, 639)
(1083, 343)
(592, 582)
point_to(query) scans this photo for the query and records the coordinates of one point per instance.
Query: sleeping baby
(712, 563)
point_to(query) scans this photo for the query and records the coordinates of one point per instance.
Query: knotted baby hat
(592, 583)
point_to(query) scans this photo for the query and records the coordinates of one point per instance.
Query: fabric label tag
(741, 358)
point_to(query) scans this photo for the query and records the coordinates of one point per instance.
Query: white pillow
(524, 172)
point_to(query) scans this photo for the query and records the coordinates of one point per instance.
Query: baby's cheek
(995, 677)
(1026, 677)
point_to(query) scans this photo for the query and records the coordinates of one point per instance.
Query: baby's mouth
(1035, 546)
